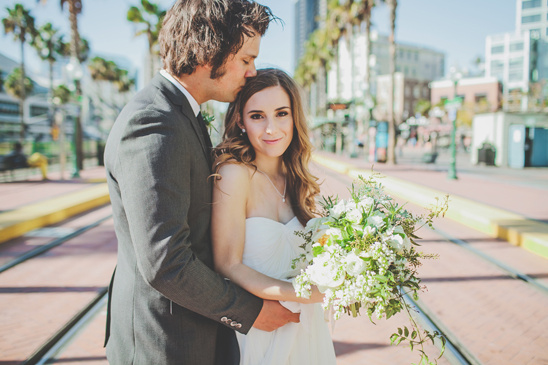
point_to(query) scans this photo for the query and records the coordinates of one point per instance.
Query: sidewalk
(504, 203)
(33, 203)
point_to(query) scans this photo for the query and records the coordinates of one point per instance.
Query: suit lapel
(180, 100)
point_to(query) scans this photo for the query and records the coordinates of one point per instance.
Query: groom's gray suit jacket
(167, 305)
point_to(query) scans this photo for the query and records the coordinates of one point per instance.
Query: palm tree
(123, 82)
(151, 16)
(75, 8)
(48, 43)
(391, 150)
(13, 84)
(102, 70)
(107, 74)
(21, 23)
(314, 64)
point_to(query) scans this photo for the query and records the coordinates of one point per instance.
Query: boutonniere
(209, 119)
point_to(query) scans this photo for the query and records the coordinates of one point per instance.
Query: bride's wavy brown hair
(302, 186)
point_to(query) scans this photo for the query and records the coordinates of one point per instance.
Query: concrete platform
(31, 204)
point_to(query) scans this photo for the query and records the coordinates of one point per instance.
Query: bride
(263, 193)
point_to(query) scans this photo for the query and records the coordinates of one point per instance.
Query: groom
(166, 304)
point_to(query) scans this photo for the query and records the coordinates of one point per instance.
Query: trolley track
(59, 292)
(44, 248)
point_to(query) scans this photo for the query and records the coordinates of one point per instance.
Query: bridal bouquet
(361, 255)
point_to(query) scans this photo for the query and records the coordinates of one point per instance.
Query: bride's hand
(316, 296)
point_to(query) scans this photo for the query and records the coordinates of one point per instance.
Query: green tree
(422, 107)
(13, 84)
(106, 75)
(21, 23)
(48, 43)
(74, 9)
(150, 16)
(102, 70)
(83, 49)
(61, 95)
(123, 82)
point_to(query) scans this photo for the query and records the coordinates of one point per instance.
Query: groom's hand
(273, 316)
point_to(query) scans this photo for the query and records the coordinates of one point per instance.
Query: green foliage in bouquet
(362, 255)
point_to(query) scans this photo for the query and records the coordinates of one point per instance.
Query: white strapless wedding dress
(270, 248)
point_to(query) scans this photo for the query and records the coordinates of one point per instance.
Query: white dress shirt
(193, 103)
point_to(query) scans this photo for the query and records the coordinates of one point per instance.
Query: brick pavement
(41, 295)
(501, 319)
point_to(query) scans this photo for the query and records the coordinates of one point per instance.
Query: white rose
(365, 203)
(399, 230)
(315, 223)
(338, 209)
(334, 232)
(368, 231)
(325, 272)
(376, 220)
(354, 265)
(354, 216)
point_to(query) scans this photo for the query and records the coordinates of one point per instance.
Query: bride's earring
(243, 130)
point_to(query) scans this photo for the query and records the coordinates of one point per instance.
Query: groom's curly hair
(206, 32)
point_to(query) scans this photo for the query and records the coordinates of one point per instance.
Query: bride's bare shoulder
(234, 173)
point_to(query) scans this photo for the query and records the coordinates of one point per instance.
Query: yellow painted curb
(20, 221)
(498, 223)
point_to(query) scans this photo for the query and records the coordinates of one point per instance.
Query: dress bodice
(271, 246)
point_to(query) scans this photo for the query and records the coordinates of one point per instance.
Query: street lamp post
(452, 113)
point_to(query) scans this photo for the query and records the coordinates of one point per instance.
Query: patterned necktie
(203, 127)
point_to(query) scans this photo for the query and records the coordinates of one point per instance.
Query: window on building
(515, 47)
(515, 62)
(530, 19)
(515, 75)
(9, 108)
(534, 34)
(530, 4)
(38, 110)
(479, 97)
(497, 49)
(417, 92)
(497, 65)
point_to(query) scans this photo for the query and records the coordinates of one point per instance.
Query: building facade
(532, 16)
(483, 94)
(407, 93)
(520, 59)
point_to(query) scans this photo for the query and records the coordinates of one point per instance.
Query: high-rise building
(413, 61)
(520, 59)
(309, 15)
(532, 16)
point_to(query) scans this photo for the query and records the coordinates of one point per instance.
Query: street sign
(453, 103)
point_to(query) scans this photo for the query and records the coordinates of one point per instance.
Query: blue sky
(455, 27)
